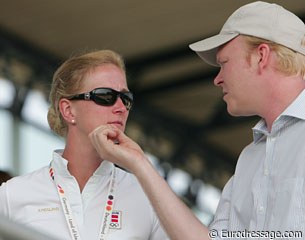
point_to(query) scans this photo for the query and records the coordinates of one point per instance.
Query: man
(261, 54)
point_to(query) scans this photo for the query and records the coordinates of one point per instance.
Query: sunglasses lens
(108, 97)
(127, 99)
(104, 97)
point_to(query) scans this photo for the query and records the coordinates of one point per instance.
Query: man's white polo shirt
(33, 200)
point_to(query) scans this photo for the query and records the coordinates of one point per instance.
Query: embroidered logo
(48, 209)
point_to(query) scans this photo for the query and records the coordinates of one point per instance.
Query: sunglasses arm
(82, 96)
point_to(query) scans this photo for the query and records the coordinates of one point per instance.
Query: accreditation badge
(116, 220)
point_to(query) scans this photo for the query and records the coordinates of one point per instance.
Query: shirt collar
(60, 165)
(294, 110)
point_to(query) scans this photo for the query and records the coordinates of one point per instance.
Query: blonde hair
(68, 80)
(289, 61)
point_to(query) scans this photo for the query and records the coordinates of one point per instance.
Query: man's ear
(66, 110)
(264, 53)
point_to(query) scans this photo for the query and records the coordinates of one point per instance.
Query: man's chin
(234, 111)
(238, 113)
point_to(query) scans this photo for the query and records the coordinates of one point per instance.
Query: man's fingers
(105, 139)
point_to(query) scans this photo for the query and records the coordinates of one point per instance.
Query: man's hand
(113, 145)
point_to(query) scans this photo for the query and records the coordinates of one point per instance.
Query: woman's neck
(81, 164)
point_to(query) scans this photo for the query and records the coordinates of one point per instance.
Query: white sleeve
(221, 218)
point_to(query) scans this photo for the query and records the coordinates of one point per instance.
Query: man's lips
(224, 94)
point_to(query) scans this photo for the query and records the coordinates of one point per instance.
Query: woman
(80, 195)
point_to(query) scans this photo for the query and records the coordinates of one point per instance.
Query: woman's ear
(66, 110)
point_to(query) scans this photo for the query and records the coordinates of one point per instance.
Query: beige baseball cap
(259, 19)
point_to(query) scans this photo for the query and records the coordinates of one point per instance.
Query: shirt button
(266, 172)
(261, 209)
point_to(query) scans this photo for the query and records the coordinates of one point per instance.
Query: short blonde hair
(68, 79)
(289, 61)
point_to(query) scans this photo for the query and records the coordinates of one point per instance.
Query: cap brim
(207, 48)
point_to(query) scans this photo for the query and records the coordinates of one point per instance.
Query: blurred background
(179, 117)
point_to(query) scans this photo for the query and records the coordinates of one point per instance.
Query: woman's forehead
(108, 75)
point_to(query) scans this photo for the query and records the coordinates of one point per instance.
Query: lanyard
(71, 223)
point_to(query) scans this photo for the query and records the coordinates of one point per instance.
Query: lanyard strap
(108, 207)
(71, 223)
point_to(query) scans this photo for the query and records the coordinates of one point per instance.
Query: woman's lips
(116, 123)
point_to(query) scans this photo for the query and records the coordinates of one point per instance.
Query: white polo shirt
(33, 200)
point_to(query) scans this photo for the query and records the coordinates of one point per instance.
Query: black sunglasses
(106, 97)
